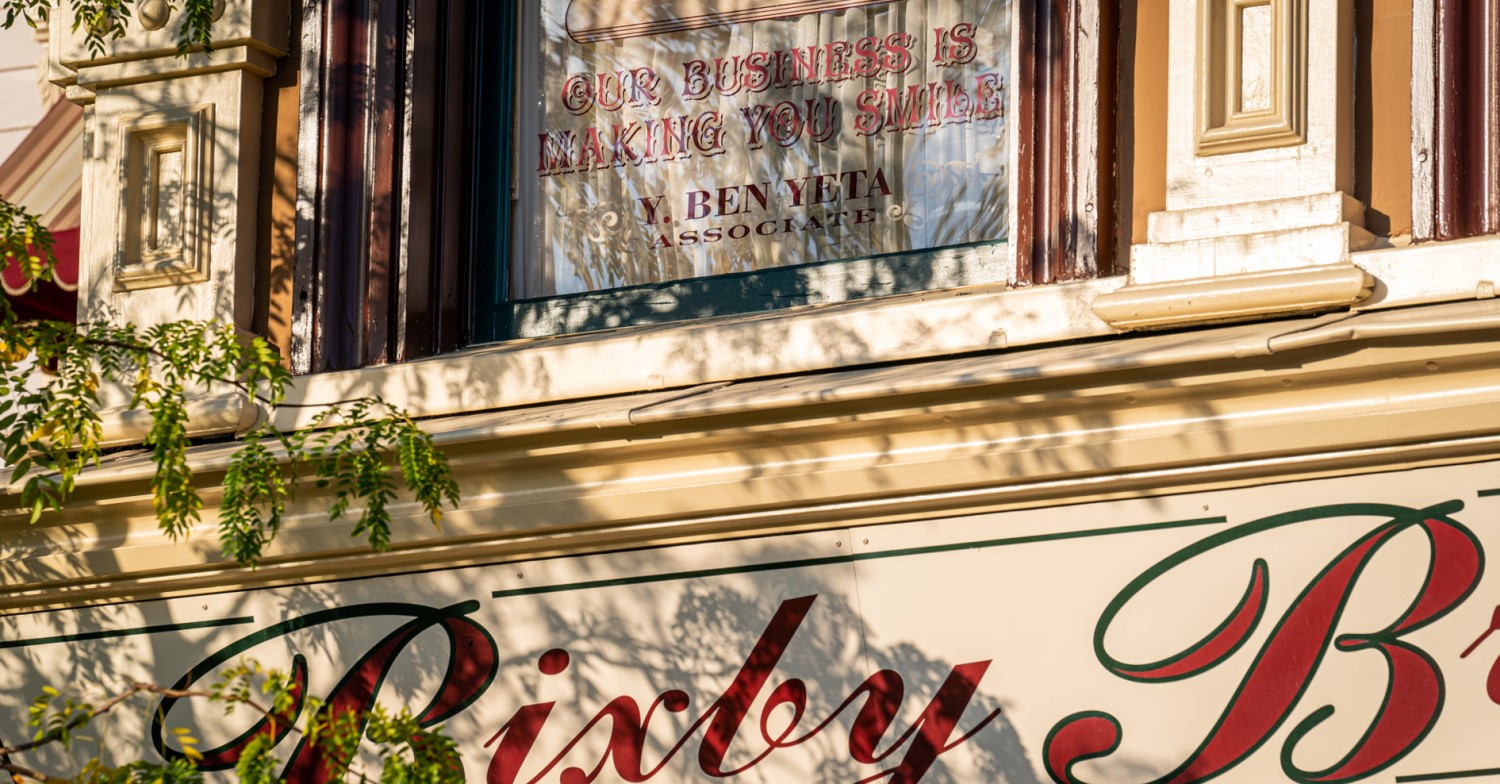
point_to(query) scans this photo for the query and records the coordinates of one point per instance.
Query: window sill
(891, 329)
(1431, 272)
(826, 337)
(852, 334)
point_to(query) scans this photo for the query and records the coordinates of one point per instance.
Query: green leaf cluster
(408, 753)
(106, 20)
(349, 447)
(56, 717)
(50, 429)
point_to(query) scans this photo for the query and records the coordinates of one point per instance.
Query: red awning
(57, 301)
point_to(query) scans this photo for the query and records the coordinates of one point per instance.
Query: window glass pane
(664, 140)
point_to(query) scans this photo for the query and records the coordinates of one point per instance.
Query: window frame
(1455, 95)
(373, 286)
(498, 317)
(383, 184)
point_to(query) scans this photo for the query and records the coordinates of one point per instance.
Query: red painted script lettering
(1291, 655)
(723, 721)
(473, 661)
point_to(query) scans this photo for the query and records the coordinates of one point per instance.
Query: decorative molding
(1300, 231)
(241, 55)
(170, 162)
(1254, 217)
(162, 230)
(841, 336)
(890, 330)
(1164, 413)
(1260, 204)
(154, 14)
(218, 415)
(1234, 297)
(1251, 75)
(149, 34)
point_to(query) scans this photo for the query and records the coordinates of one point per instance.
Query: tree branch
(136, 687)
(18, 773)
(246, 389)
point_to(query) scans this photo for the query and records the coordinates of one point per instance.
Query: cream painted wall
(19, 93)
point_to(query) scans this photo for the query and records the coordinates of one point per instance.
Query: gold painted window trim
(1223, 127)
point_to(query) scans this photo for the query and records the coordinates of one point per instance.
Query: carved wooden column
(1259, 216)
(171, 162)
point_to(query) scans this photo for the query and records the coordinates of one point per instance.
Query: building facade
(933, 390)
(42, 152)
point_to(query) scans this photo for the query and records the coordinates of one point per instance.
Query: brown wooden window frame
(1456, 119)
(386, 189)
(381, 234)
(1065, 129)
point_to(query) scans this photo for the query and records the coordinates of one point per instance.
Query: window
(484, 171)
(658, 143)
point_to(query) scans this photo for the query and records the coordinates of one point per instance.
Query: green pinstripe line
(1488, 493)
(658, 578)
(838, 559)
(1014, 540)
(1457, 774)
(105, 635)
